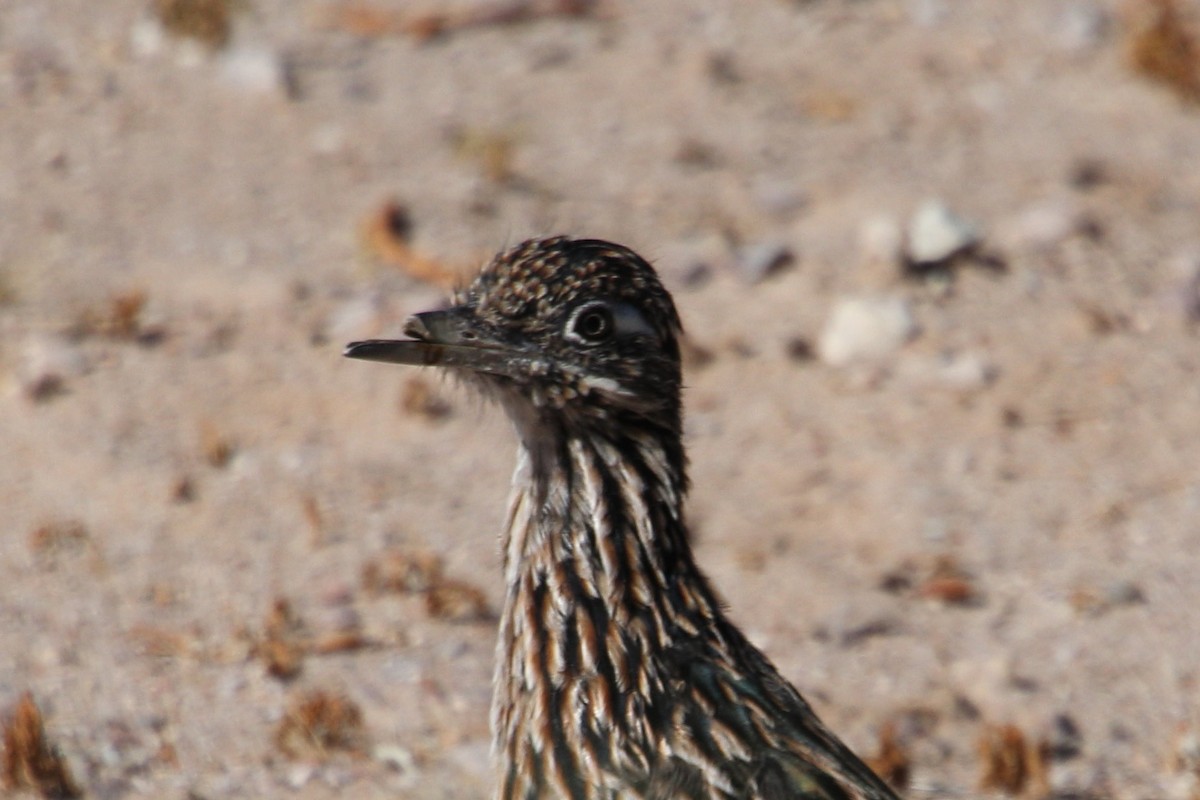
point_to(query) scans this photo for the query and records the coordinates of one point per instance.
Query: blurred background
(939, 266)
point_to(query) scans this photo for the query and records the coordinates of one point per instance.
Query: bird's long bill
(427, 354)
(445, 339)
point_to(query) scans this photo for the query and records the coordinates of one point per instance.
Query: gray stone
(760, 260)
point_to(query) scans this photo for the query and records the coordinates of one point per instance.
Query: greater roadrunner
(618, 673)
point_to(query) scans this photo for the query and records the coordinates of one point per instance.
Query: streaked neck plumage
(599, 580)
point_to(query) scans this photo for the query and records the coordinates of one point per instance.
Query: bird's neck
(606, 511)
(601, 583)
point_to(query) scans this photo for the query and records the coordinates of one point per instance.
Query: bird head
(559, 330)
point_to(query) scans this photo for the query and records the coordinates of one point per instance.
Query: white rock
(395, 757)
(298, 775)
(965, 371)
(146, 38)
(48, 362)
(957, 371)
(253, 69)
(1040, 226)
(936, 233)
(865, 328)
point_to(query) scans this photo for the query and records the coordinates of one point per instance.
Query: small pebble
(147, 38)
(1185, 267)
(1087, 173)
(693, 259)
(1081, 26)
(865, 328)
(46, 365)
(760, 260)
(328, 140)
(777, 197)
(395, 757)
(696, 274)
(253, 69)
(1040, 226)
(338, 618)
(986, 682)
(855, 622)
(937, 234)
(1186, 755)
(336, 776)
(1063, 738)
(798, 348)
(927, 13)
(1182, 786)
(298, 775)
(47, 655)
(965, 371)
(957, 371)
(336, 592)
(1123, 593)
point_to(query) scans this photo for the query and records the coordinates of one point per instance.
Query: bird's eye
(592, 324)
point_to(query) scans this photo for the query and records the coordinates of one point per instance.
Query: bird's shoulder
(742, 732)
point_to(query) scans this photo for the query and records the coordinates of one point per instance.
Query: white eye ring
(594, 323)
(591, 324)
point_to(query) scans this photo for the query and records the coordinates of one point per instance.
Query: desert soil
(986, 518)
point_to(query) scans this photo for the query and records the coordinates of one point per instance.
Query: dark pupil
(593, 324)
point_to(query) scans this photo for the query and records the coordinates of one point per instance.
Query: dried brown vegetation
(402, 571)
(941, 578)
(120, 319)
(209, 22)
(282, 645)
(31, 761)
(418, 398)
(1011, 763)
(385, 237)
(159, 642)
(420, 571)
(457, 601)
(51, 540)
(318, 723)
(893, 762)
(1164, 45)
(216, 448)
(366, 19)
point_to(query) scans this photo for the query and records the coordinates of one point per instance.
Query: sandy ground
(992, 524)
